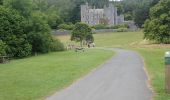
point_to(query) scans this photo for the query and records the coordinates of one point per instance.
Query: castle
(107, 15)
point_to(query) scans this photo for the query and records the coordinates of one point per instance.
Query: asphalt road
(121, 78)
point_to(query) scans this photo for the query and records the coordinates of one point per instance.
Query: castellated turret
(107, 15)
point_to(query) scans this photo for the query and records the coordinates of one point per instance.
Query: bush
(100, 26)
(122, 30)
(119, 26)
(12, 32)
(56, 45)
(66, 26)
(2, 48)
(103, 26)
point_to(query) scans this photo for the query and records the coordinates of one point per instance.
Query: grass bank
(37, 77)
(116, 39)
(154, 59)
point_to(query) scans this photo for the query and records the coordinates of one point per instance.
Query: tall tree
(75, 13)
(12, 33)
(24, 7)
(142, 9)
(157, 27)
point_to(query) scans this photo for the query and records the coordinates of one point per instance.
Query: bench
(4, 59)
(79, 49)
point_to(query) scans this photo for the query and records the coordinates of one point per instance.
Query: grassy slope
(154, 59)
(153, 55)
(35, 77)
(119, 39)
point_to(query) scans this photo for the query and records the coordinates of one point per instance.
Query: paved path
(121, 78)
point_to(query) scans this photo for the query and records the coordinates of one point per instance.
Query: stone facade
(107, 15)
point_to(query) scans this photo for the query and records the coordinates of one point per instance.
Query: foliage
(2, 48)
(157, 28)
(103, 26)
(122, 30)
(66, 26)
(39, 36)
(12, 33)
(133, 9)
(1, 2)
(100, 26)
(120, 26)
(32, 31)
(142, 9)
(56, 45)
(54, 20)
(24, 7)
(81, 33)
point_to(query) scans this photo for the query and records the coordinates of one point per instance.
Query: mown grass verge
(35, 78)
(154, 59)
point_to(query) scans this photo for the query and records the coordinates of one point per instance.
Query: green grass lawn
(118, 39)
(154, 59)
(35, 78)
(153, 55)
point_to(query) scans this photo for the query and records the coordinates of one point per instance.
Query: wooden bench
(4, 59)
(79, 49)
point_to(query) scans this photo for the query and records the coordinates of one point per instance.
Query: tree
(143, 10)
(39, 33)
(154, 2)
(82, 32)
(157, 27)
(54, 20)
(24, 7)
(12, 33)
(2, 48)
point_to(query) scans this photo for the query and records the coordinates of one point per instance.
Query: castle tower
(84, 13)
(111, 14)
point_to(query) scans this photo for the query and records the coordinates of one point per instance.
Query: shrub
(122, 30)
(103, 26)
(66, 26)
(40, 42)
(119, 26)
(100, 26)
(56, 45)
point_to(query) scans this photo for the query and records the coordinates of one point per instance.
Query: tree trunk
(81, 43)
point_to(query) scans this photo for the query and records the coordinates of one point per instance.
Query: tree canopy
(12, 33)
(25, 29)
(82, 32)
(157, 27)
